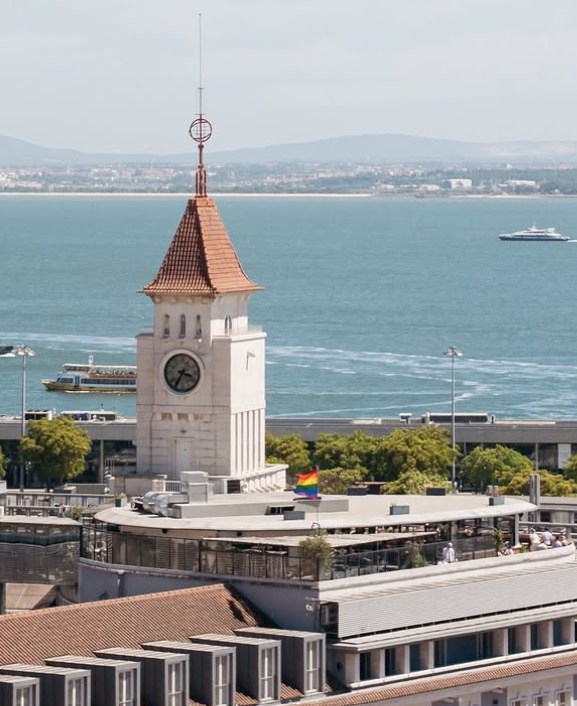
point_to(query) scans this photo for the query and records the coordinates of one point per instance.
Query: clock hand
(179, 378)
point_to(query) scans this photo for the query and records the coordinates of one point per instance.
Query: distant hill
(386, 148)
(394, 148)
(16, 153)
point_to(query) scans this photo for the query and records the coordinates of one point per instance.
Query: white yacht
(534, 233)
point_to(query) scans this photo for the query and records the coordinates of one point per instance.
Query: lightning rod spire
(200, 129)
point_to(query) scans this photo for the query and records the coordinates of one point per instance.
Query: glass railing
(200, 556)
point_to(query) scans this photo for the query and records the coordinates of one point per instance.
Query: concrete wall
(289, 605)
(292, 606)
(97, 581)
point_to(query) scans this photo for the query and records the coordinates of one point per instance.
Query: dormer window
(76, 692)
(267, 673)
(175, 685)
(25, 696)
(182, 333)
(127, 688)
(166, 328)
(222, 680)
(312, 666)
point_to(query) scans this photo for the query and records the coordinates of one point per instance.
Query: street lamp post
(24, 352)
(453, 353)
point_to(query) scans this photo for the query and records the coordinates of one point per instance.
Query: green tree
(570, 468)
(494, 466)
(316, 546)
(551, 484)
(353, 451)
(2, 464)
(425, 450)
(335, 481)
(414, 482)
(289, 449)
(56, 448)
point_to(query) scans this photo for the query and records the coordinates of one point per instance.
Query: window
(563, 698)
(485, 645)
(182, 333)
(365, 665)
(175, 684)
(518, 702)
(535, 637)
(166, 331)
(312, 666)
(267, 674)
(75, 694)
(512, 640)
(198, 326)
(25, 696)
(415, 658)
(221, 680)
(390, 661)
(126, 690)
(540, 700)
(440, 653)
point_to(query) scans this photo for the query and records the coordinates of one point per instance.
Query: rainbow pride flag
(308, 484)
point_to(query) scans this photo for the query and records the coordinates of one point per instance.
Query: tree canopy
(2, 464)
(551, 484)
(494, 466)
(336, 481)
(56, 448)
(316, 546)
(570, 468)
(424, 450)
(289, 449)
(353, 451)
(413, 482)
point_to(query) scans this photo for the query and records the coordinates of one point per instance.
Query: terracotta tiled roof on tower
(201, 259)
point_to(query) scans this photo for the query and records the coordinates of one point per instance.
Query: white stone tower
(201, 370)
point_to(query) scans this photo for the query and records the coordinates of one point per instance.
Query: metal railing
(18, 499)
(34, 556)
(40, 539)
(201, 556)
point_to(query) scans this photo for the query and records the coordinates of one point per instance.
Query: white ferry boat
(89, 377)
(536, 234)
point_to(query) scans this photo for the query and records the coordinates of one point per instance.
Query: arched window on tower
(182, 333)
(227, 324)
(166, 332)
(198, 327)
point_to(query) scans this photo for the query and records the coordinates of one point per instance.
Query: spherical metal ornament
(200, 130)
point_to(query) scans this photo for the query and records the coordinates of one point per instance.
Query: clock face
(182, 373)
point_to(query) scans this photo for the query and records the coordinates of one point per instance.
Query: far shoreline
(309, 195)
(129, 194)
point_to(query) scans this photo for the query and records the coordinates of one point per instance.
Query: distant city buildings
(293, 178)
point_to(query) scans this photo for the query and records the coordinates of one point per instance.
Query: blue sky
(121, 75)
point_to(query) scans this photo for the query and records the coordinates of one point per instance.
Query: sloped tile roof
(201, 259)
(122, 622)
(471, 676)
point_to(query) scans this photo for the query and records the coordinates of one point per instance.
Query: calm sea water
(362, 297)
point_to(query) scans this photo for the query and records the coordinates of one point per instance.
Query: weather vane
(200, 129)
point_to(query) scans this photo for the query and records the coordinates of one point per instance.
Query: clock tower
(201, 369)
